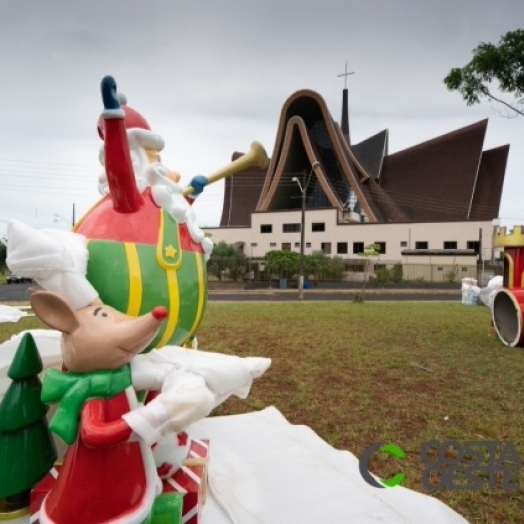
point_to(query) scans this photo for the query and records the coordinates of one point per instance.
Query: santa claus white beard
(140, 164)
(166, 194)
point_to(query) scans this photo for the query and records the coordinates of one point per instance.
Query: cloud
(213, 76)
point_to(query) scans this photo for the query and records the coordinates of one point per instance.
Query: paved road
(327, 295)
(16, 292)
(22, 292)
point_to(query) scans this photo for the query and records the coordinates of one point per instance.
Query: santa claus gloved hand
(184, 399)
(198, 183)
(108, 88)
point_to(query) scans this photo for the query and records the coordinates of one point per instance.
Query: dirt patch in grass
(405, 373)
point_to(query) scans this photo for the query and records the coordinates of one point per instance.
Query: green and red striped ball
(145, 259)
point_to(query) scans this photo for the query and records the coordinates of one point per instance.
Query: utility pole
(302, 239)
(303, 188)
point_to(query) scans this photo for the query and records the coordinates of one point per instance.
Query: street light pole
(303, 188)
(302, 239)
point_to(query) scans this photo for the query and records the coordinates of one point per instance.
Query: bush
(396, 273)
(383, 274)
(451, 276)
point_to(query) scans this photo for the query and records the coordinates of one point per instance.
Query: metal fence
(360, 270)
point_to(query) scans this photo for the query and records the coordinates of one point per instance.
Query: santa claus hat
(138, 129)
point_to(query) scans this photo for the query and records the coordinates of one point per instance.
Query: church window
(381, 247)
(358, 247)
(326, 248)
(291, 228)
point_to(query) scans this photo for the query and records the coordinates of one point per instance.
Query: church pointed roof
(435, 180)
(372, 151)
(448, 178)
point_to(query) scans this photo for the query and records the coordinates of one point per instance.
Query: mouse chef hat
(57, 260)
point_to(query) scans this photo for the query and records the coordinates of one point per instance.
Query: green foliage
(318, 265)
(396, 273)
(383, 274)
(282, 262)
(370, 251)
(452, 274)
(490, 68)
(323, 267)
(336, 268)
(226, 260)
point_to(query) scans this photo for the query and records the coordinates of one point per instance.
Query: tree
(226, 258)
(324, 267)
(493, 67)
(282, 262)
(370, 251)
(316, 264)
(27, 451)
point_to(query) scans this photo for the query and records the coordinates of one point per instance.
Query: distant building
(441, 195)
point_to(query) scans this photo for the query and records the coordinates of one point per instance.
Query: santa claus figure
(124, 129)
(145, 147)
(145, 246)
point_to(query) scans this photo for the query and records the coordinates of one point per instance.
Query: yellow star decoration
(170, 251)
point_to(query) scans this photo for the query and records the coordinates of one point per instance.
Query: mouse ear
(54, 310)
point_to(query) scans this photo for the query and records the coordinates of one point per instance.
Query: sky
(211, 77)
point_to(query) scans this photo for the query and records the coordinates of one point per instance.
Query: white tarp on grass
(265, 470)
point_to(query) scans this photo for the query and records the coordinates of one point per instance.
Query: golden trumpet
(256, 156)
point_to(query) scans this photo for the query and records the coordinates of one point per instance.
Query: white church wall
(323, 228)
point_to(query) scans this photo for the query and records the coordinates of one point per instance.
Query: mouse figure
(109, 473)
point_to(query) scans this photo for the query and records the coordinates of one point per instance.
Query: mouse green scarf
(72, 390)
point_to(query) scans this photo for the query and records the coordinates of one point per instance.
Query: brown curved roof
(445, 179)
(307, 134)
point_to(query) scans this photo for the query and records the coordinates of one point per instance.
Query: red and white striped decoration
(39, 492)
(190, 481)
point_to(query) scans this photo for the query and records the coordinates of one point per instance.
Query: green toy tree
(27, 451)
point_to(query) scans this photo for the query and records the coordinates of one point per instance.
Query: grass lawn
(401, 372)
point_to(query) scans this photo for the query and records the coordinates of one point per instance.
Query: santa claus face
(154, 158)
(141, 158)
(152, 155)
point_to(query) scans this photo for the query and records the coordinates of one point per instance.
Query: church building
(438, 198)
